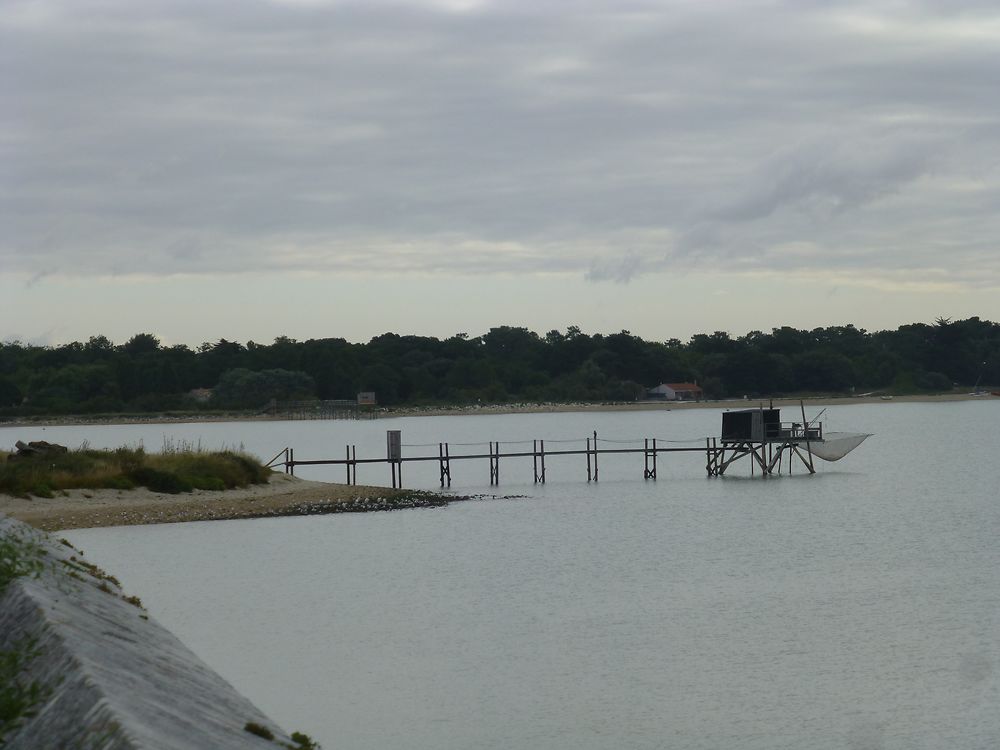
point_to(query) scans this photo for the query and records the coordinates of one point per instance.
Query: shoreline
(522, 408)
(286, 495)
(283, 495)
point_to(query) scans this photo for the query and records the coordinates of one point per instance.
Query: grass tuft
(177, 470)
(20, 555)
(259, 730)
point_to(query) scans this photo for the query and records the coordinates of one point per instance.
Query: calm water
(858, 608)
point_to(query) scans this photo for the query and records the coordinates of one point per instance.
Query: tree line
(503, 365)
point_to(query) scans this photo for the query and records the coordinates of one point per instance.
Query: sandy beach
(722, 405)
(283, 496)
(510, 408)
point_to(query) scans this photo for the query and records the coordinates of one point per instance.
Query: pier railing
(794, 431)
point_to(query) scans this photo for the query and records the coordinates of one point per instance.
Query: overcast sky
(203, 170)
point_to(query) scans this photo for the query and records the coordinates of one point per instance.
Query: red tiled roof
(683, 386)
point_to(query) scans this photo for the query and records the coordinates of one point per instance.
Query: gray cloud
(613, 140)
(840, 173)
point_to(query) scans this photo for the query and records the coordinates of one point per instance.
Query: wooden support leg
(494, 463)
(541, 444)
(447, 463)
(595, 455)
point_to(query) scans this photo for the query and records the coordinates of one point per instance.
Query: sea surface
(856, 608)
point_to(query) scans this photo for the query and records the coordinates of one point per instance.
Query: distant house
(367, 398)
(201, 395)
(675, 392)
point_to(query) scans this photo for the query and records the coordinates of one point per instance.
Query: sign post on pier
(394, 454)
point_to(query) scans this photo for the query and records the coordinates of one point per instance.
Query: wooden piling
(444, 463)
(649, 470)
(595, 455)
(805, 431)
(538, 460)
(494, 463)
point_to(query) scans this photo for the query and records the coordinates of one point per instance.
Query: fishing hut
(760, 435)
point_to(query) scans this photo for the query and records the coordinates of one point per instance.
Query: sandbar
(283, 495)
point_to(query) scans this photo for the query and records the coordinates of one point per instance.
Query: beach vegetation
(303, 742)
(259, 730)
(129, 467)
(20, 697)
(20, 555)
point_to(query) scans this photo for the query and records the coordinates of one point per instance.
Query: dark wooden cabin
(764, 425)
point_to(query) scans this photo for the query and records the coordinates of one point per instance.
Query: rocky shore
(95, 670)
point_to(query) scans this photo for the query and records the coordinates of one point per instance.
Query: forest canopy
(505, 364)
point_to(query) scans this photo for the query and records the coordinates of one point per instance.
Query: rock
(36, 448)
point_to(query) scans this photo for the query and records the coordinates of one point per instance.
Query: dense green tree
(141, 343)
(10, 394)
(246, 389)
(505, 363)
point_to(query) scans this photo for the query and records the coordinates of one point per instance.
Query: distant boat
(886, 398)
(836, 445)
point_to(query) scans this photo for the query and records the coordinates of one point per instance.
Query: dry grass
(179, 470)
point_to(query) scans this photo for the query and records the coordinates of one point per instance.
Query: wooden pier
(591, 451)
(757, 434)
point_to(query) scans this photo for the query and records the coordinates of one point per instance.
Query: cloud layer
(608, 139)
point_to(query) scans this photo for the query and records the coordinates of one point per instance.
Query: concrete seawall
(110, 676)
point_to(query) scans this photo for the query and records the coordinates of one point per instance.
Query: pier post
(494, 463)
(535, 456)
(444, 463)
(595, 455)
(805, 432)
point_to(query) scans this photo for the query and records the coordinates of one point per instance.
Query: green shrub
(129, 459)
(304, 742)
(159, 481)
(118, 482)
(20, 555)
(259, 730)
(42, 490)
(206, 483)
(19, 699)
